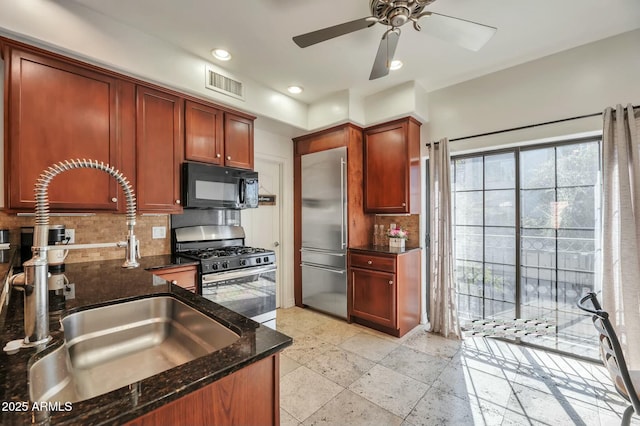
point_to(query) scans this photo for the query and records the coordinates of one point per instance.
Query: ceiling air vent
(224, 84)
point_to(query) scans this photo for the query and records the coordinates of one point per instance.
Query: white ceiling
(258, 33)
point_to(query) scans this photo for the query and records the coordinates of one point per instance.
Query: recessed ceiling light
(295, 89)
(396, 64)
(221, 54)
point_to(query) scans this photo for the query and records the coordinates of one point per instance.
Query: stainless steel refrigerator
(324, 231)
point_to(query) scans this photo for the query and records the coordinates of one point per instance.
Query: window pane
(538, 208)
(537, 168)
(500, 171)
(576, 207)
(468, 208)
(538, 248)
(578, 164)
(468, 174)
(500, 245)
(499, 208)
(468, 243)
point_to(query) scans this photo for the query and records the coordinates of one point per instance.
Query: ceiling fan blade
(309, 39)
(468, 34)
(386, 50)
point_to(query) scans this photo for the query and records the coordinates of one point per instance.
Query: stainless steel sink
(112, 346)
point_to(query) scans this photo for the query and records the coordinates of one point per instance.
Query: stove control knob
(258, 260)
(243, 262)
(225, 264)
(266, 259)
(214, 266)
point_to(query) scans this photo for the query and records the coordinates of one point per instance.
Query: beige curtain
(442, 301)
(621, 226)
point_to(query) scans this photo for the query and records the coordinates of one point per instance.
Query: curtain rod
(595, 114)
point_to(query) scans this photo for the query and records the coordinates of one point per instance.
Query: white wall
(273, 145)
(575, 82)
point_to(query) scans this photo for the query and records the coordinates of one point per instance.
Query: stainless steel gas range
(240, 278)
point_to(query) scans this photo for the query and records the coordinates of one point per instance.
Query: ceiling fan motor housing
(397, 13)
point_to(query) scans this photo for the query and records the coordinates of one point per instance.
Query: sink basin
(112, 346)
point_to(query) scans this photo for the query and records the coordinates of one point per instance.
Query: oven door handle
(222, 276)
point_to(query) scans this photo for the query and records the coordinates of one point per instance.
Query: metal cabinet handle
(217, 155)
(174, 282)
(228, 157)
(404, 204)
(369, 262)
(114, 200)
(177, 201)
(390, 282)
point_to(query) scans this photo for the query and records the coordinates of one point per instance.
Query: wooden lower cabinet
(250, 396)
(384, 290)
(184, 276)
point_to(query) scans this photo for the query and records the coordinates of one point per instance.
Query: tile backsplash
(98, 228)
(409, 223)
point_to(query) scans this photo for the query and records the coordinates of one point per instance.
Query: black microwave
(215, 187)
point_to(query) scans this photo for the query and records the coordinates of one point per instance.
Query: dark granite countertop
(384, 249)
(96, 283)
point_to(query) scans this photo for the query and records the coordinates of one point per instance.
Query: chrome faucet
(35, 276)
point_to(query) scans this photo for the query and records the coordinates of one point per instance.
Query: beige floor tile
(303, 392)
(305, 348)
(368, 346)
(334, 331)
(545, 408)
(350, 409)
(287, 419)
(439, 408)
(392, 391)
(287, 365)
(433, 344)
(470, 384)
(340, 366)
(415, 364)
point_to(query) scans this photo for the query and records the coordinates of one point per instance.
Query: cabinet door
(386, 169)
(373, 296)
(238, 141)
(58, 111)
(158, 148)
(203, 133)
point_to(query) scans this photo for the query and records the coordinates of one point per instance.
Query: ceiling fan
(394, 14)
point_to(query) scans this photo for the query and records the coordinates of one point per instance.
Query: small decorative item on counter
(397, 237)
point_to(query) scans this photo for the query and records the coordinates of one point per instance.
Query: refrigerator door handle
(322, 268)
(330, 253)
(343, 202)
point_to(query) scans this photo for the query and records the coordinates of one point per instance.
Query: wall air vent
(219, 82)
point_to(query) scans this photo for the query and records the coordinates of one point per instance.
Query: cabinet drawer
(380, 263)
(185, 276)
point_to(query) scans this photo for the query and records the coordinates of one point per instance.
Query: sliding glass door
(525, 229)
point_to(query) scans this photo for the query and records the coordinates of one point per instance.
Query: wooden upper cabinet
(238, 141)
(216, 137)
(392, 167)
(159, 146)
(204, 137)
(58, 111)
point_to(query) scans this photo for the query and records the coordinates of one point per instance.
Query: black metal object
(612, 356)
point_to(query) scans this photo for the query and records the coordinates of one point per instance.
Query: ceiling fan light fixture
(396, 64)
(295, 89)
(221, 54)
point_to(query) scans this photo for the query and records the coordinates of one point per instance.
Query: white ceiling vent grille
(219, 82)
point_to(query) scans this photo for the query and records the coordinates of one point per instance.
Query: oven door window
(250, 296)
